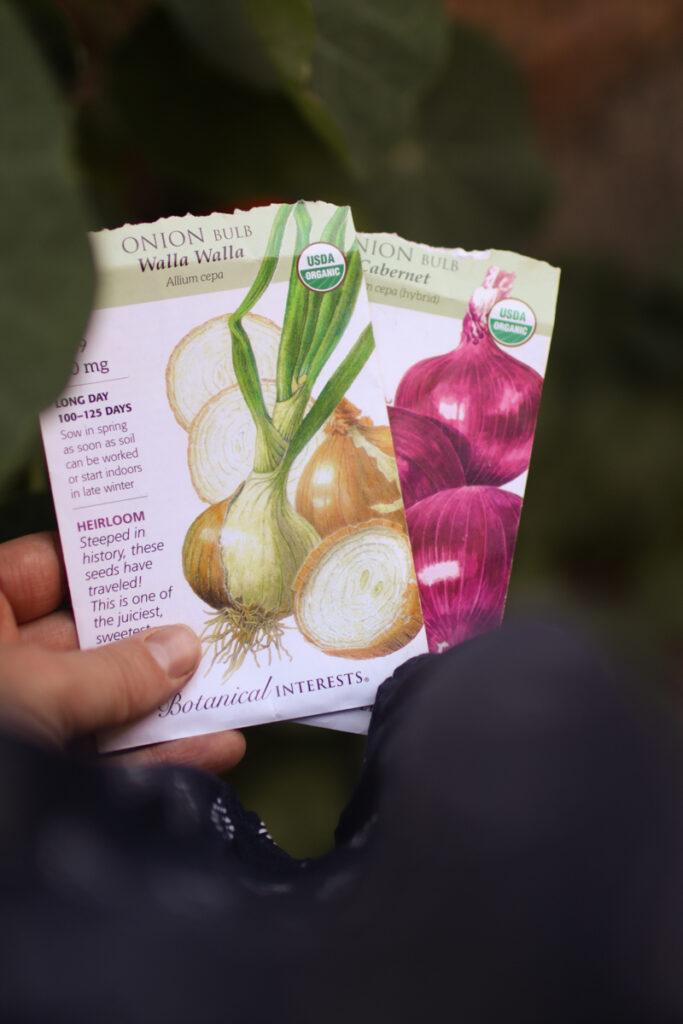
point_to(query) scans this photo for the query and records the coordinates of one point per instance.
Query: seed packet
(221, 456)
(463, 341)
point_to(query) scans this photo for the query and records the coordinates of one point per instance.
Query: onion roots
(241, 557)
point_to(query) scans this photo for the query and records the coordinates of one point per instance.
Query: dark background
(553, 129)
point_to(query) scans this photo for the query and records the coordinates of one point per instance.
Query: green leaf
(263, 42)
(468, 172)
(321, 306)
(268, 264)
(355, 70)
(286, 30)
(334, 231)
(243, 359)
(45, 265)
(332, 393)
(372, 63)
(332, 329)
(247, 147)
(54, 36)
(295, 308)
(220, 32)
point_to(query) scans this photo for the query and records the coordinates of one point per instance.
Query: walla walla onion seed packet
(222, 456)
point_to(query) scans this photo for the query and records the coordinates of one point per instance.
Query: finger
(9, 631)
(75, 692)
(218, 752)
(32, 575)
(56, 631)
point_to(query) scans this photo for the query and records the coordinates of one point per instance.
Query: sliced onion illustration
(356, 595)
(221, 445)
(201, 363)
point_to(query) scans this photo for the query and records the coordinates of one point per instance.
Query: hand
(50, 689)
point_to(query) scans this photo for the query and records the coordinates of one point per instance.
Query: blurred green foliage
(127, 110)
(44, 260)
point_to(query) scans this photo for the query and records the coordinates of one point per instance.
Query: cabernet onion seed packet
(463, 341)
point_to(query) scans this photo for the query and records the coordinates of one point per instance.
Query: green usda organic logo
(512, 322)
(321, 267)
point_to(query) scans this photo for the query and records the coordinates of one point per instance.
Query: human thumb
(67, 694)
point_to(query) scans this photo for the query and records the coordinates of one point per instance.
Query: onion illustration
(241, 557)
(352, 476)
(242, 554)
(430, 456)
(201, 363)
(356, 595)
(485, 394)
(463, 541)
(221, 444)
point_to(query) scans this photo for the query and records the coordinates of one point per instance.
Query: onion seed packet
(221, 456)
(463, 341)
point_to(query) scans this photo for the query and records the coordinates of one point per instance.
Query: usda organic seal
(512, 322)
(321, 267)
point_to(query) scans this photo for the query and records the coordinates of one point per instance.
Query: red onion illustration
(463, 540)
(482, 392)
(430, 456)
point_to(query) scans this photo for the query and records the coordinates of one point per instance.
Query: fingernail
(175, 648)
